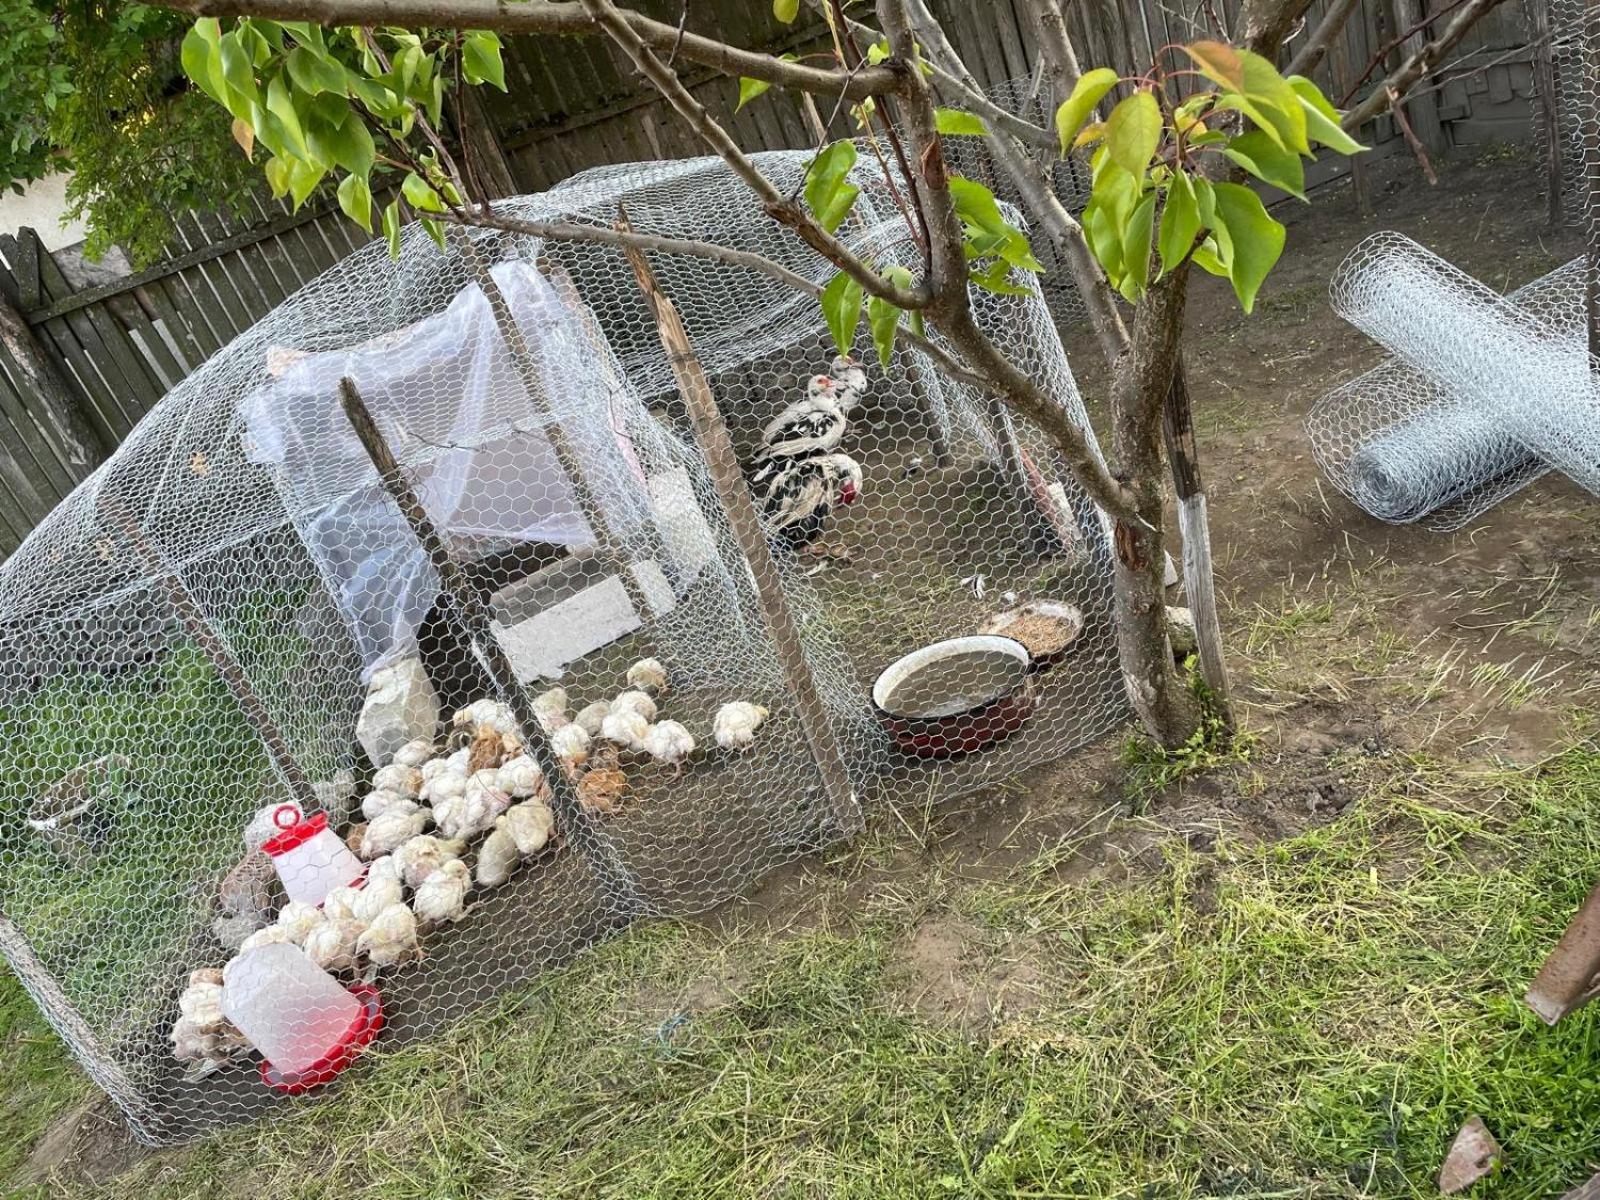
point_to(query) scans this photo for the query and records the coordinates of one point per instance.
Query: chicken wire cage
(269, 789)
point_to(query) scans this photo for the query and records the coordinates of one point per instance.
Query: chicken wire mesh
(269, 791)
(1486, 392)
(1573, 105)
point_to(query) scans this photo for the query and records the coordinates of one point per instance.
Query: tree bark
(1143, 379)
(64, 422)
(481, 152)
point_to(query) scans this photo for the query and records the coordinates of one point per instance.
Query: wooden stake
(227, 667)
(711, 435)
(1570, 976)
(1589, 49)
(1339, 54)
(1177, 427)
(468, 611)
(1544, 78)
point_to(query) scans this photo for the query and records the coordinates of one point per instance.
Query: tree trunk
(1143, 379)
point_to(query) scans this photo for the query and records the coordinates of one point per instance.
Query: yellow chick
(404, 781)
(550, 709)
(332, 945)
(649, 674)
(590, 717)
(442, 896)
(735, 724)
(391, 939)
(669, 742)
(635, 701)
(626, 727)
(571, 745)
(299, 919)
(396, 827)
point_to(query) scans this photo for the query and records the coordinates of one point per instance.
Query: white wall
(41, 205)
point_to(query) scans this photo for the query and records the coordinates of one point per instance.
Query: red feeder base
(361, 1032)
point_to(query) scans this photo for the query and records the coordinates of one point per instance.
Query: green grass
(1310, 1018)
(37, 1082)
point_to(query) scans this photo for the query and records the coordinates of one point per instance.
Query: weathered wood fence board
(573, 105)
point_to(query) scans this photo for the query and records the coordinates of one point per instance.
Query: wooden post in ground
(1570, 976)
(1177, 427)
(1421, 109)
(468, 611)
(221, 658)
(1589, 57)
(1339, 62)
(1544, 78)
(711, 435)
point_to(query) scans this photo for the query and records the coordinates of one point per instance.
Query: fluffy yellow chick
(497, 857)
(422, 856)
(590, 716)
(272, 935)
(521, 777)
(405, 781)
(414, 753)
(442, 896)
(381, 889)
(393, 829)
(391, 939)
(735, 724)
(332, 945)
(626, 727)
(635, 701)
(529, 824)
(550, 709)
(649, 674)
(571, 745)
(299, 919)
(375, 803)
(669, 742)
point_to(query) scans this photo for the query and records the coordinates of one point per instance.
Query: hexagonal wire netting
(1485, 393)
(231, 634)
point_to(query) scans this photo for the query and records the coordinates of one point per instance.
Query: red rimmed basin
(957, 696)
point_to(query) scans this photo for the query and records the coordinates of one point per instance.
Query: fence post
(64, 421)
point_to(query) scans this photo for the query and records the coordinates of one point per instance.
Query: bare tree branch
(1307, 57)
(1060, 59)
(781, 208)
(1419, 64)
(554, 17)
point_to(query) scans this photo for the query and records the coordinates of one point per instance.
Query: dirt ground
(1350, 641)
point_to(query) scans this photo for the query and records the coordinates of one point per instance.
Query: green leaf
(1219, 63)
(828, 195)
(303, 180)
(878, 52)
(841, 306)
(883, 318)
(997, 279)
(420, 194)
(480, 59)
(348, 144)
(1104, 234)
(1269, 162)
(953, 122)
(1279, 102)
(786, 10)
(1136, 248)
(238, 74)
(1180, 222)
(391, 227)
(1257, 239)
(976, 206)
(434, 228)
(1133, 131)
(314, 74)
(355, 198)
(280, 103)
(1077, 108)
(201, 56)
(749, 89)
(277, 173)
(1322, 119)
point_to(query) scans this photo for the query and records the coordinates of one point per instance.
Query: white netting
(232, 616)
(1485, 393)
(1574, 104)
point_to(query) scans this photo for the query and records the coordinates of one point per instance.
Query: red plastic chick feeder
(307, 1026)
(309, 857)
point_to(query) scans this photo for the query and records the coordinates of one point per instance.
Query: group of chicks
(484, 791)
(590, 742)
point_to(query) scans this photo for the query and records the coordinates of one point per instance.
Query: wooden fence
(79, 366)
